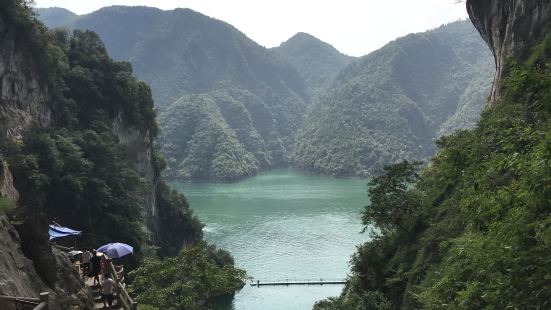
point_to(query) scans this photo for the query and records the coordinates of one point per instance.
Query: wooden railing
(40, 303)
(123, 298)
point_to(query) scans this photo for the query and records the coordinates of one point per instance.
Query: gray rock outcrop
(7, 190)
(511, 28)
(19, 276)
(23, 101)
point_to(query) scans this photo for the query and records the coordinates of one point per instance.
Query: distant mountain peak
(303, 38)
(55, 16)
(317, 61)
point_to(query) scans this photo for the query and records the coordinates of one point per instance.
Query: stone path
(96, 290)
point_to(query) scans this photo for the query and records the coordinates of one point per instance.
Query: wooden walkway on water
(259, 283)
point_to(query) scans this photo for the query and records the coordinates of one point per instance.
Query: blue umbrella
(116, 250)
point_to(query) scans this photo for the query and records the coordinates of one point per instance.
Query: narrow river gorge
(283, 224)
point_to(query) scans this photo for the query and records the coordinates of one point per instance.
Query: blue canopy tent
(60, 231)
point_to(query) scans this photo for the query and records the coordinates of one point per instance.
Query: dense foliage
(480, 238)
(82, 179)
(178, 225)
(190, 280)
(224, 135)
(393, 103)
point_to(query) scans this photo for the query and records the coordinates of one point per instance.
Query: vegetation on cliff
(190, 280)
(478, 233)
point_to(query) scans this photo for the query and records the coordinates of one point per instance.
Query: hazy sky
(355, 27)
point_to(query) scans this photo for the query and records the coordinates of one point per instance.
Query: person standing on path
(95, 261)
(85, 260)
(107, 289)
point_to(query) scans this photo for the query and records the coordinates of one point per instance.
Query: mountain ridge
(394, 102)
(318, 62)
(301, 79)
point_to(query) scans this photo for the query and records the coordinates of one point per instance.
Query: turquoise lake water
(283, 224)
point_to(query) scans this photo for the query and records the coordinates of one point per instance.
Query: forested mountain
(472, 230)
(393, 103)
(388, 105)
(181, 52)
(316, 61)
(184, 53)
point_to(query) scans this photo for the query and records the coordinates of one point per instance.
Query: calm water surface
(280, 225)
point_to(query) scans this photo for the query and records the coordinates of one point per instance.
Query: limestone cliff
(22, 98)
(140, 146)
(511, 28)
(7, 190)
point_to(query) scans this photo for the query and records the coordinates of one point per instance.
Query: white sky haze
(355, 27)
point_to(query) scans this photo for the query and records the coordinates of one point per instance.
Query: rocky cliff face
(511, 28)
(22, 99)
(19, 276)
(139, 145)
(7, 190)
(29, 265)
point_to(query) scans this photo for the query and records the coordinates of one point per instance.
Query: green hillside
(393, 103)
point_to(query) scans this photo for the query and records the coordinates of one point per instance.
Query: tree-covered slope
(197, 133)
(472, 230)
(393, 103)
(388, 105)
(316, 61)
(226, 134)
